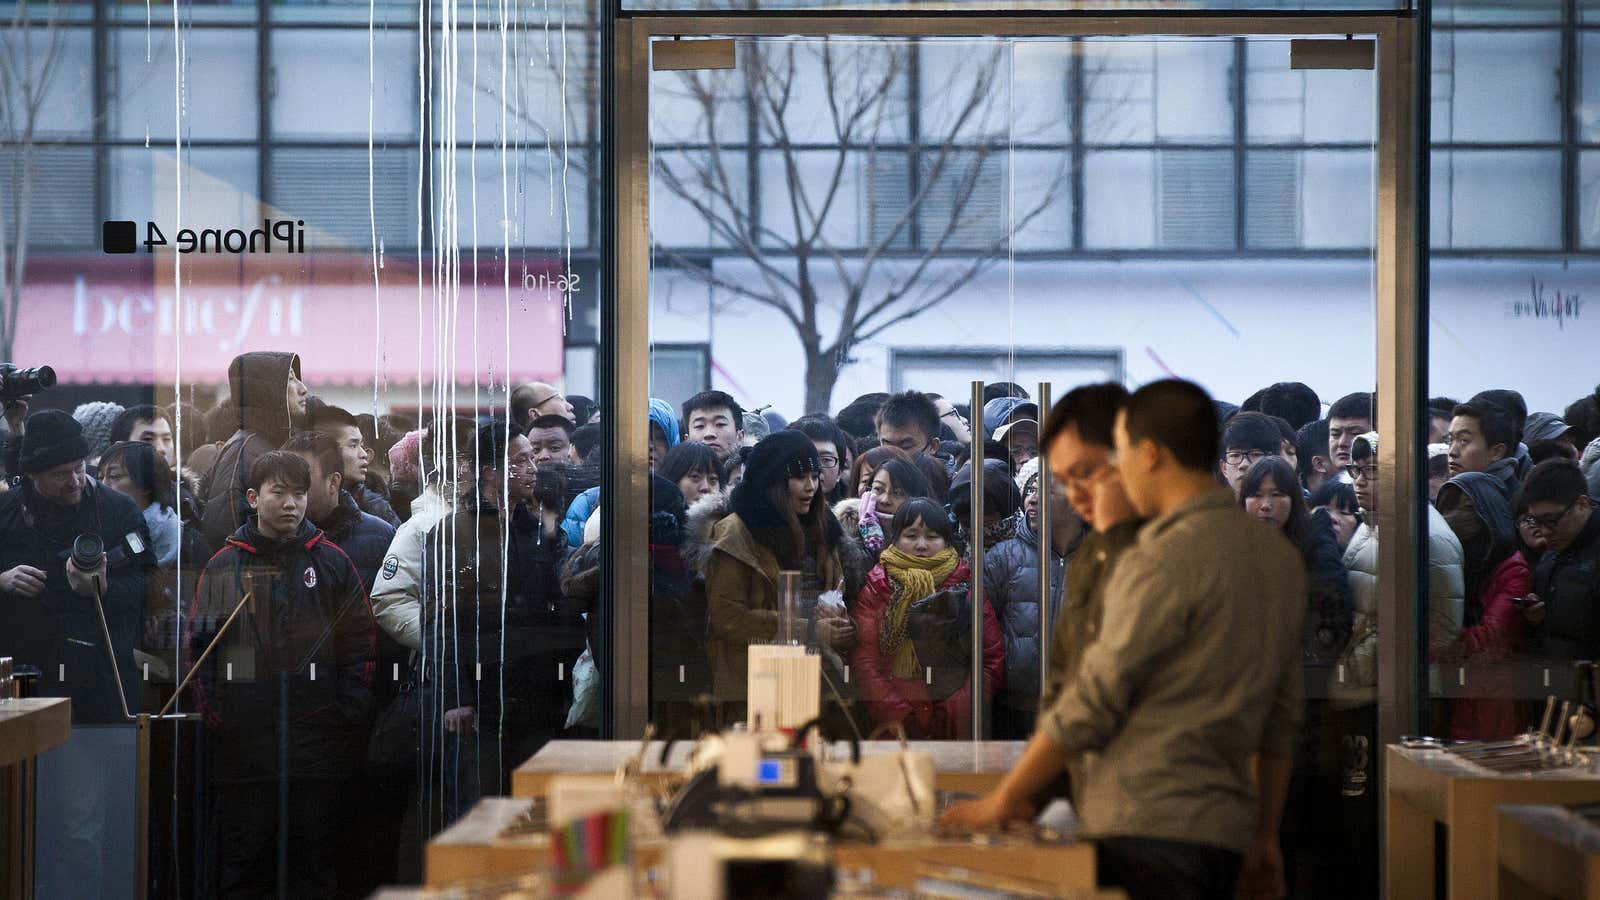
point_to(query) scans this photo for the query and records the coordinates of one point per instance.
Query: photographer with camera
(64, 539)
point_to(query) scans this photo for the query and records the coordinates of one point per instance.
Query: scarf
(913, 577)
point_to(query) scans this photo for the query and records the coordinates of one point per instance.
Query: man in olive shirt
(1194, 672)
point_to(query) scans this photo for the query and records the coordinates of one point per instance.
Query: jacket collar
(733, 537)
(250, 539)
(1205, 501)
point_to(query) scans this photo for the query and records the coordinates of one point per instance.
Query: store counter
(969, 767)
(1548, 851)
(27, 729)
(1428, 787)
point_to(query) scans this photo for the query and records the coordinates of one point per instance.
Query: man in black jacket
(48, 619)
(1564, 608)
(287, 693)
(354, 455)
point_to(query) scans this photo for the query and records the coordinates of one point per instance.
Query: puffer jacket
(374, 504)
(308, 610)
(1011, 585)
(906, 700)
(397, 591)
(1569, 584)
(1496, 635)
(583, 506)
(362, 536)
(258, 382)
(1446, 607)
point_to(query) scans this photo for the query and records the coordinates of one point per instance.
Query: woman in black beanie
(779, 522)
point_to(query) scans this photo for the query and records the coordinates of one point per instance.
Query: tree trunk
(821, 375)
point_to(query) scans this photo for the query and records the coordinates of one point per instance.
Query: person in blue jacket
(664, 436)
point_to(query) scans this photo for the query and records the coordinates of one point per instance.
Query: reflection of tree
(840, 109)
(30, 56)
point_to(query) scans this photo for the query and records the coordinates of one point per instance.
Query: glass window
(328, 189)
(1501, 86)
(60, 212)
(219, 188)
(50, 80)
(548, 202)
(1278, 99)
(1523, 187)
(320, 84)
(1119, 204)
(544, 72)
(220, 72)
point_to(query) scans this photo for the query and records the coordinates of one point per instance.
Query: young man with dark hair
(551, 439)
(146, 424)
(1313, 462)
(950, 417)
(266, 398)
(297, 662)
(859, 418)
(1440, 411)
(909, 422)
(1192, 824)
(1480, 440)
(715, 419)
(1248, 438)
(343, 428)
(1564, 608)
(584, 441)
(1349, 416)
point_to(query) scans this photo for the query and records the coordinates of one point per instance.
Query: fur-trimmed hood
(705, 513)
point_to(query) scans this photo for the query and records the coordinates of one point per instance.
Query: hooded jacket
(998, 411)
(61, 627)
(1011, 586)
(584, 505)
(1494, 629)
(297, 664)
(907, 700)
(258, 382)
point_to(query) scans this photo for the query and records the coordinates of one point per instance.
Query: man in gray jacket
(1194, 675)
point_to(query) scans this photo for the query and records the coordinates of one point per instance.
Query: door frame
(1400, 336)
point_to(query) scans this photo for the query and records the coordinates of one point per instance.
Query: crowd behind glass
(385, 616)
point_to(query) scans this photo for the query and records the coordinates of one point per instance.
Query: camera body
(16, 383)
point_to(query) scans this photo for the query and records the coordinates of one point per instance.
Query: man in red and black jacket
(287, 693)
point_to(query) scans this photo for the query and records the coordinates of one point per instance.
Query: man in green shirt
(1185, 706)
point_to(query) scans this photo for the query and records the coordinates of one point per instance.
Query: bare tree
(30, 55)
(827, 112)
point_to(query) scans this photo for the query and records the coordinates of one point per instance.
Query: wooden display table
(961, 766)
(27, 729)
(476, 847)
(1424, 787)
(1547, 851)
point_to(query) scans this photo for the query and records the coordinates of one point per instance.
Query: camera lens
(86, 551)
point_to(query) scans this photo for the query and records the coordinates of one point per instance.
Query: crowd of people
(384, 615)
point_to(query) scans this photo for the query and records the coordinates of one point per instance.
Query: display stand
(1428, 787)
(27, 729)
(1547, 851)
(969, 767)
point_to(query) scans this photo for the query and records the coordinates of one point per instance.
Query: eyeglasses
(1238, 457)
(1354, 471)
(829, 463)
(1547, 523)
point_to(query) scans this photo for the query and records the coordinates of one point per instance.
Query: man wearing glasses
(1564, 608)
(1249, 438)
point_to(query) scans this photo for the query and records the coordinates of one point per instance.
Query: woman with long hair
(779, 521)
(1271, 493)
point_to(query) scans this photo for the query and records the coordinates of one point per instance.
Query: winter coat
(906, 700)
(1496, 635)
(1011, 585)
(1446, 605)
(396, 595)
(165, 593)
(530, 640)
(374, 504)
(258, 382)
(1569, 584)
(61, 627)
(362, 536)
(584, 505)
(741, 584)
(297, 664)
(1329, 614)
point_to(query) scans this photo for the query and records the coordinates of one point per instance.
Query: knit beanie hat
(50, 438)
(405, 458)
(97, 419)
(784, 455)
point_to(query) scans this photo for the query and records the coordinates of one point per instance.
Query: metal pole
(1046, 551)
(976, 459)
(141, 808)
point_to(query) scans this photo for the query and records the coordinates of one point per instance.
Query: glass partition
(307, 277)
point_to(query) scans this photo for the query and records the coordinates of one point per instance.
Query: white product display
(784, 684)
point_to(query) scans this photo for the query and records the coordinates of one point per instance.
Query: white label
(146, 671)
(230, 671)
(1341, 673)
(61, 673)
(1546, 677)
(313, 671)
(846, 674)
(478, 672)
(1461, 676)
(561, 671)
(680, 674)
(930, 674)
(396, 671)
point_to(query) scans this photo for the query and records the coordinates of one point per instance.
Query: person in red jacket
(1479, 512)
(913, 658)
